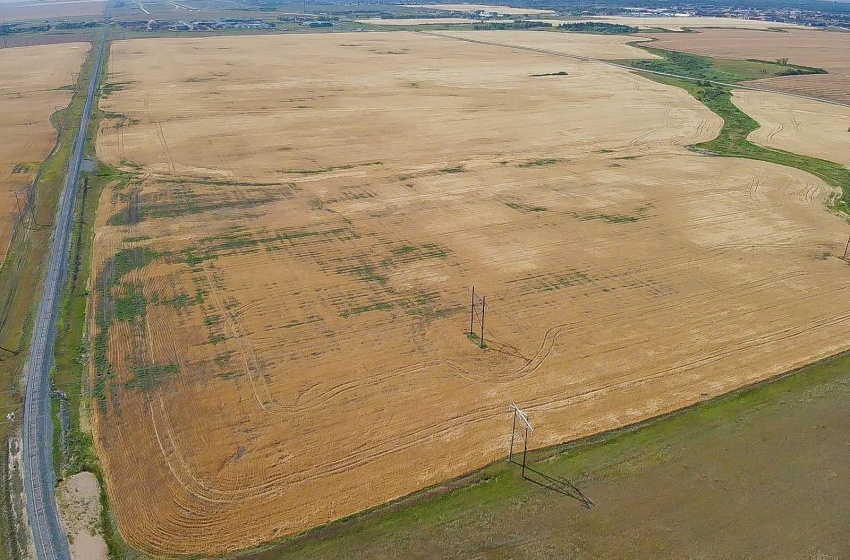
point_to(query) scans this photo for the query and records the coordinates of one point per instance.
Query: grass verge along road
(38, 473)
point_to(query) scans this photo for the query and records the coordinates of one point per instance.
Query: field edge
(501, 471)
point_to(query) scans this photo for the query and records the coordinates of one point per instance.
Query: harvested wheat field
(801, 126)
(680, 23)
(30, 78)
(27, 11)
(423, 21)
(281, 315)
(821, 49)
(575, 44)
(503, 10)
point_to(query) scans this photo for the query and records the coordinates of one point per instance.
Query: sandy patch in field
(29, 78)
(291, 348)
(79, 506)
(807, 47)
(29, 11)
(798, 125)
(432, 21)
(575, 44)
(503, 10)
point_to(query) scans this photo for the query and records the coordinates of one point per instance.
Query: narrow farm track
(38, 475)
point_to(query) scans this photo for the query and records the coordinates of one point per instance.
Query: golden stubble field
(28, 11)
(30, 78)
(822, 49)
(588, 45)
(422, 21)
(681, 23)
(504, 10)
(797, 125)
(280, 308)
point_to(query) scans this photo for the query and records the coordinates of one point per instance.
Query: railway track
(38, 474)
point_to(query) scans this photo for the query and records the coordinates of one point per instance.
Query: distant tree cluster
(76, 24)
(598, 27)
(12, 28)
(799, 71)
(791, 69)
(517, 24)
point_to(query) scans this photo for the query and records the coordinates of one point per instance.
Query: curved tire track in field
(206, 491)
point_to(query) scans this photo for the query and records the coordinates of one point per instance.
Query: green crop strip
(540, 162)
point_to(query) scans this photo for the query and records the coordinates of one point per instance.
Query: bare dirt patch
(801, 126)
(806, 47)
(280, 305)
(30, 79)
(79, 502)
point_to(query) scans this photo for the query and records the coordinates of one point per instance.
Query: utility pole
(483, 309)
(526, 429)
(472, 310)
(513, 432)
(524, 450)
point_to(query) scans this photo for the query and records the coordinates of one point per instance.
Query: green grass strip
(737, 125)
(718, 69)
(732, 140)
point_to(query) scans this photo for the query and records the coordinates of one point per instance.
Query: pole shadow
(558, 484)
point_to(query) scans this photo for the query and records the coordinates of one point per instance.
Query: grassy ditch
(717, 69)
(732, 140)
(22, 272)
(72, 356)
